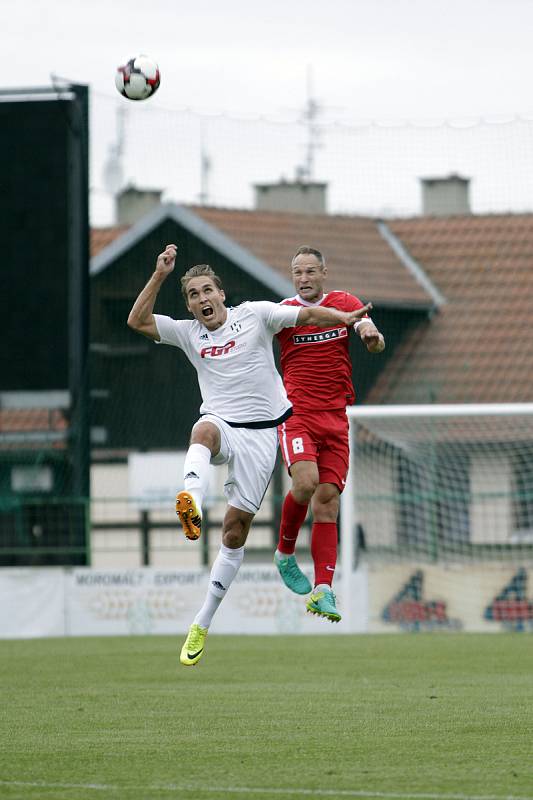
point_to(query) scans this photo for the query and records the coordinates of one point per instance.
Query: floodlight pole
(79, 290)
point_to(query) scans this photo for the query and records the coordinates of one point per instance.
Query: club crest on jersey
(217, 350)
(318, 338)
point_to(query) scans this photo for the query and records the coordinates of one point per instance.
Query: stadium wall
(394, 598)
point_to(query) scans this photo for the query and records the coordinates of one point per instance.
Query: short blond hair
(198, 271)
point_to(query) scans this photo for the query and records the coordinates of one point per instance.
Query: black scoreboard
(41, 208)
(44, 308)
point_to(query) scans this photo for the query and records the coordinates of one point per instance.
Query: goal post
(446, 485)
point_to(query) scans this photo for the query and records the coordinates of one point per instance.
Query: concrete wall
(491, 518)
(114, 547)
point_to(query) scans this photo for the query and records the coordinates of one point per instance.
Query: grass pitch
(406, 716)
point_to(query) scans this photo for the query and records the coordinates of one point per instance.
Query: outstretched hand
(166, 260)
(351, 317)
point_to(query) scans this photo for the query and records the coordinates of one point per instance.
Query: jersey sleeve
(172, 331)
(276, 316)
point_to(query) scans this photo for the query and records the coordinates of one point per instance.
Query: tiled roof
(479, 346)
(32, 428)
(102, 237)
(33, 419)
(360, 260)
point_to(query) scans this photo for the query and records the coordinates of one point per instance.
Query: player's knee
(235, 530)
(325, 512)
(207, 434)
(303, 488)
(234, 537)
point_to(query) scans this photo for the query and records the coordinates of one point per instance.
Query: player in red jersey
(317, 373)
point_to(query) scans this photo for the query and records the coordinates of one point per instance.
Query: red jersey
(316, 365)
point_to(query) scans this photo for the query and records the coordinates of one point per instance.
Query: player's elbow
(134, 322)
(145, 327)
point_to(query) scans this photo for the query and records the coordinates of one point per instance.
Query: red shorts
(321, 437)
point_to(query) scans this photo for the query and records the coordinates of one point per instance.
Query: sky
(371, 61)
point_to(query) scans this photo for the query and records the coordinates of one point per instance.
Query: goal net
(442, 495)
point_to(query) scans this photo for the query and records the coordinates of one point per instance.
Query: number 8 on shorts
(297, 445)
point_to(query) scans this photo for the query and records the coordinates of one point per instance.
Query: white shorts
(250, 454)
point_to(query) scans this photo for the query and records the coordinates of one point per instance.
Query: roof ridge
(410, 263)
(196, 225)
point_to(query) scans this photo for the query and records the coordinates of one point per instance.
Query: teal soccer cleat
(322, 603)
(291, 574)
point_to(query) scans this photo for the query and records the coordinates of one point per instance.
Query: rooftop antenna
(205, 168)
(113, 167)
(310, 116)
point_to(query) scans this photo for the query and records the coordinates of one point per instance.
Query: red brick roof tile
(102, 237)
(479, 347)
(21, 428)
(360, 260)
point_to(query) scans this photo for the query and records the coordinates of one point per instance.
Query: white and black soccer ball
(138, 79)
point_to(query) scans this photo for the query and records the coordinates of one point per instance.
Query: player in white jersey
(243, 402)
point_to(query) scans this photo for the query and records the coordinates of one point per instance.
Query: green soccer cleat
(322, 603)
(291, 575)
(193, 648)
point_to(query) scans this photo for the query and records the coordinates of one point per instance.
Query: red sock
(324, 551)
(293, 515)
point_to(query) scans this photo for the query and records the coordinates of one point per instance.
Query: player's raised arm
(322, 316)
(141, 318)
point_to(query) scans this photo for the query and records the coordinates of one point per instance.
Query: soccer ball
(138, 79)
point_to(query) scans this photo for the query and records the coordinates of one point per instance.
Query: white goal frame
(348, 506)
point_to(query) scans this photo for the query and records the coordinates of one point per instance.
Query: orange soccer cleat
(189, 515)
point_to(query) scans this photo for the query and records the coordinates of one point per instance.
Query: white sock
(322, 587)
(196, 472)
(279, 556)
(223, 571)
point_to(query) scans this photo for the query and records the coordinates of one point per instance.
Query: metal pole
(348, 518)
(440, 410)
(77, 114)
(277, 500)
(145, 534)
(204, 541)
(78, 111)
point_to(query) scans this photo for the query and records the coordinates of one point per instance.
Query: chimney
(443, 197)
(132, 204)
(301, 197)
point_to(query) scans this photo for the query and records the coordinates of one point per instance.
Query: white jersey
(237, 375)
